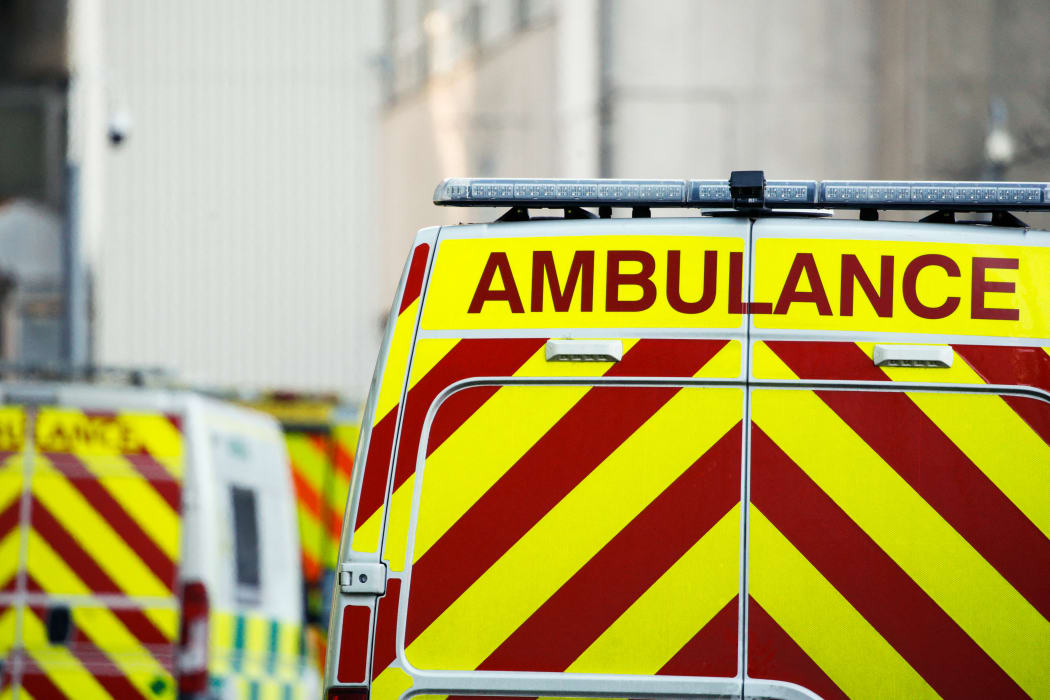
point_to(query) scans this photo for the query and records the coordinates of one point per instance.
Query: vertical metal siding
(237, 242)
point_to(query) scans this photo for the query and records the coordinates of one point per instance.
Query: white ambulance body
(154, 546)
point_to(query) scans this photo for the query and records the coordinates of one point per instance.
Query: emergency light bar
(745, 190)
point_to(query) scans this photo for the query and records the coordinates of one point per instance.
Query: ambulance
(777, 448)
(148, 547)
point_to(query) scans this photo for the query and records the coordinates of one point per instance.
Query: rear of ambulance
(90, 519)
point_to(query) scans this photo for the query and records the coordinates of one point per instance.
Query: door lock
(362, 577)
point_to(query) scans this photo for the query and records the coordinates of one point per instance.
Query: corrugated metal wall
(237, 241)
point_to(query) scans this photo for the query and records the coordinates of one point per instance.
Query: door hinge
(362, 577)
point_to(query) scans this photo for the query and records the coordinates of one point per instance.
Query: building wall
(468, 92)
(820, 89)
(703, 88)
(237, 239)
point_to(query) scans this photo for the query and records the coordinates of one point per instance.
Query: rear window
(246, 541)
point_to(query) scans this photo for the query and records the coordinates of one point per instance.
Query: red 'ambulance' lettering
(620, 297)
(615, 279)
(881, 300)
(561, 297)
(980, 285)
(497, 262)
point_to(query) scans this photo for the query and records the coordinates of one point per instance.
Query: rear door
(101, 516)
(580, 529)
(565, 528)
(899, 543)
(899, 516)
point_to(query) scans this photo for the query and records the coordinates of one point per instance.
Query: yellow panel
(677, 606)
(95, 536)
(391, 684)
(822, 622)
(221, 626)
(50, 570)
(308, 461)
(12, 428)
(1000, 443)
(7, 630)
(61, 666)
(396, 362)
(575, 529)
(774, 258)
(724, 365)
(427, 353)
(110, 635)
(910, 531)
(256, 645)
(141, 501)
(10, 481)
(460, 264)
(531, 421)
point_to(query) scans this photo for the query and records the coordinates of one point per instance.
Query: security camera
(120, 125)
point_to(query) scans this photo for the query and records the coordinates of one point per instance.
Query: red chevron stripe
(377, 465)
(713, 651)
(773, 655)
(827, 360)
(928, 639)
(469, 358)
(524, 494)
(384, 650)
(344, 459)
(496, 357)
(169, 488)
(114, 514)
(898, 430)
(1023, 366)
(416, 271)
(556, 463)
(570, 620)
(9, 517)
(8, 523)
(305, 494)
(39, 685)
(86, 568)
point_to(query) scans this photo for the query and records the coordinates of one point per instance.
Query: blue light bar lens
(933, 194)
(788, 194)
(531, 192)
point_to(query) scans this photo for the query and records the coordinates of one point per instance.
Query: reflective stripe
(932, 553)
(823, 623)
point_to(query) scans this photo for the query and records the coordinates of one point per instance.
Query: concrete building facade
(817, 89)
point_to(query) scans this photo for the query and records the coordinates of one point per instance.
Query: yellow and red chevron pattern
(898, 542)
(369, 515)
(96, 510)
(519, 519)
(321, 464)
(900, 539)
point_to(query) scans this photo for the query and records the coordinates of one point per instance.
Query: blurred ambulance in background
(148, 547)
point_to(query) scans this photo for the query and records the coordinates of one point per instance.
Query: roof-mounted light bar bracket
(745, 190)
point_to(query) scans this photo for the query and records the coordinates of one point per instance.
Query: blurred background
(227, 190)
